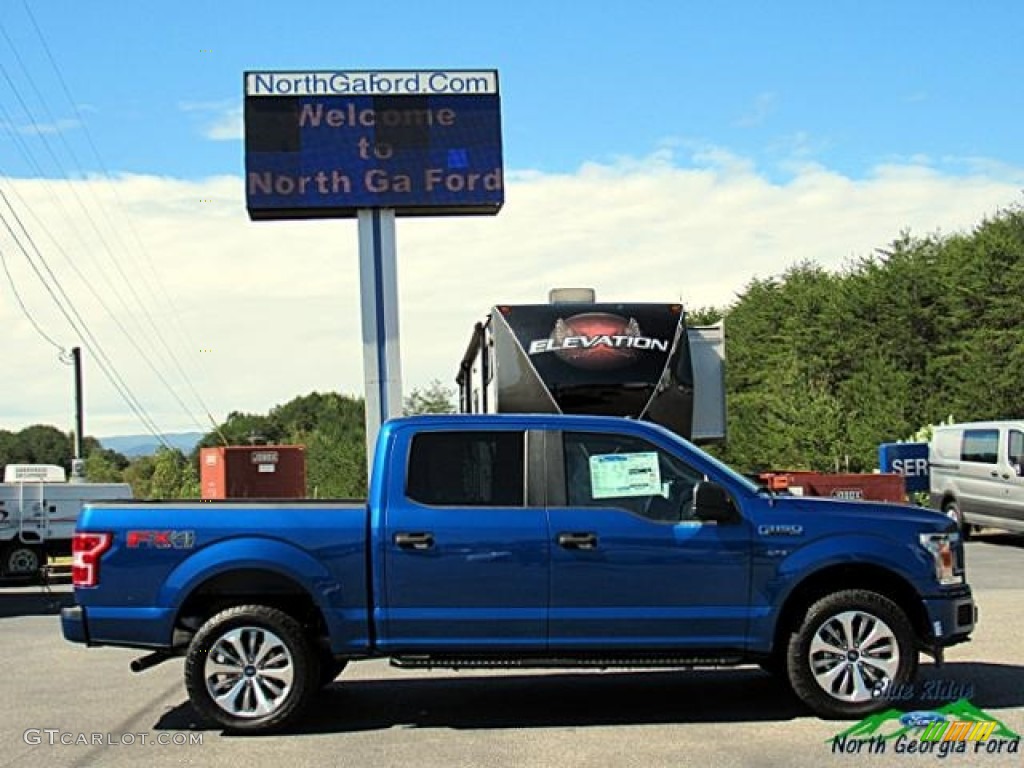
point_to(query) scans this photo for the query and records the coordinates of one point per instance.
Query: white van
(976, 473)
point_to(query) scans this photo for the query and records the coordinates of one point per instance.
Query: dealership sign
(327, 144)
(907, 459)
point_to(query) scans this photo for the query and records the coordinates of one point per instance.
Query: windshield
(735, 476)
(718, 467)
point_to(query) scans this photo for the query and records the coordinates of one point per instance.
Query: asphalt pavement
(65, 705)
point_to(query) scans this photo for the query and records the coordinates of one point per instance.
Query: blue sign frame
(909, 460)
(325, 145)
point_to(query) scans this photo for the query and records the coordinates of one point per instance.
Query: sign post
(378, 294)
(373, 145)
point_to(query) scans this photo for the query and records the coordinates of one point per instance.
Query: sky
(655, 151)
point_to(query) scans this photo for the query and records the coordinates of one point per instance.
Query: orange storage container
(253, 472)
(867, 487)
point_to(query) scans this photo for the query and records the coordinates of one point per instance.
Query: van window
(946, 444)
(980, 445)
(1016, 449)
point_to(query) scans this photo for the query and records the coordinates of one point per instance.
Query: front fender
(775, 585)
(912, 562)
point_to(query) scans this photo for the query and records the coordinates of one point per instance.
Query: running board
(591, 662)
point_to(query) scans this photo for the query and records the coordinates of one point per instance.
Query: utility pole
(77, 463)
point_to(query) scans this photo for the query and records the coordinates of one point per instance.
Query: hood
(862, 514)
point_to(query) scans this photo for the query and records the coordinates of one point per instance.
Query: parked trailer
(38, 511)
(576, 356)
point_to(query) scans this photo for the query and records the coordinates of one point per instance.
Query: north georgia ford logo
(597, 340)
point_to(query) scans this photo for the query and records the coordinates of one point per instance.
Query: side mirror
(711, 502)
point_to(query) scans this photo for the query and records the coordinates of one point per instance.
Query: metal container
(850, 486)
(253, 472)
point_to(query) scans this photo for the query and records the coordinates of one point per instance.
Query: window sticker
(625, 474)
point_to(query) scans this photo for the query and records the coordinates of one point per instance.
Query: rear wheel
(851, 646)
(251, 668)
(21, 561)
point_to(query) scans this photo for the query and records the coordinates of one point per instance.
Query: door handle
(577, 540)
(424, 540)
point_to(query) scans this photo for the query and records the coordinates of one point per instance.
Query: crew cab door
(630, 566)
(464, 557)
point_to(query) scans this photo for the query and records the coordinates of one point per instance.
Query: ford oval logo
(921, 719)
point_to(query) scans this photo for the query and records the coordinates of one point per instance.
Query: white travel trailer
(977, 475)
(38, 510)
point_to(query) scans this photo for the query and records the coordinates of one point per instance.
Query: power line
(17, 297)
(174, 314)
(76, 322)
(128, 335)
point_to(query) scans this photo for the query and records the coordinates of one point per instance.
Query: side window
(980, 445)
(1016, 450)
(466, 469)
(629, 473)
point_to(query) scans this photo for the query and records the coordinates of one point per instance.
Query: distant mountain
(133, 446)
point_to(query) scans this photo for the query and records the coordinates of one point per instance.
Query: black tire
(22, 561)
(261, 664)
(859, 671)
(951, 509)
(330, 668)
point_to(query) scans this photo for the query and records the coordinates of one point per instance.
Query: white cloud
(227, 126)
(222, 120)
(275, 305)
(764, 105)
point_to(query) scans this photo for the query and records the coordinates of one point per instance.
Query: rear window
(980, 445)
(471, 469)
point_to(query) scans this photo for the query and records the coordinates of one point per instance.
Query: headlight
(943, 548)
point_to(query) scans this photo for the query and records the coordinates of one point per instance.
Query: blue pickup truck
(522, 541)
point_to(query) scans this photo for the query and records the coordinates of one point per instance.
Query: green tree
(8, 449)
(42, 444)
(434, 398)
(705, 315)
(101, 467)
(139, 474)
(173, 477)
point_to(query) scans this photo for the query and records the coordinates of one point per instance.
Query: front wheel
(251, 668)
(851, 646)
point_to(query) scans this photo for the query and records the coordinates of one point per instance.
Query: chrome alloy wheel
(249, 672)
(854, 655)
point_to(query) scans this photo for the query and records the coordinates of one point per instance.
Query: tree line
(330, 425)
(821, 367)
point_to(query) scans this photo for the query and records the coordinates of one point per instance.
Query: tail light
(86, 550)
